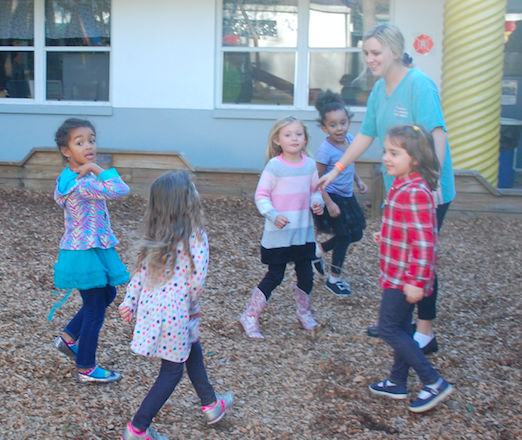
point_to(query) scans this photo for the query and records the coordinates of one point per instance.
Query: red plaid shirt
(409, 236)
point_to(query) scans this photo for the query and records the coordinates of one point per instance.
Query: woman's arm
(440, 138)
(358, 146)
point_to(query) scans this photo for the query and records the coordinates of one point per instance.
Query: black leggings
(276, 273)
(427, 307)
(339, 244)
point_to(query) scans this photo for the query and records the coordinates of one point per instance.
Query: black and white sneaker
(338, 288)
(318, 265)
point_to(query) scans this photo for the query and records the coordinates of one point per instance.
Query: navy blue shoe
(395, 391)
(319, 265)
(432, 347)
(429, 397)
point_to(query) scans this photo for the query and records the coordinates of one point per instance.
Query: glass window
(16, 22)
(16, 66)
(271, 47)
(77, 23)
(260, 23)
(340, 72)
(258, 78)
(77, 76)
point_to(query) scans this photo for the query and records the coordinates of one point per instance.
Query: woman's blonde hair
(389, 35)
(173, 214)
(272, 149)
(418, 143)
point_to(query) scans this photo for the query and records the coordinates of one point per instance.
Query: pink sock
(70, 343)
(89, 371)
(208, 407)
(133, 430)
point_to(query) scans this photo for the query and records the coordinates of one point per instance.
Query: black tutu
(351, 222)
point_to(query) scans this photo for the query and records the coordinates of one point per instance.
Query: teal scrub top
(415, 100)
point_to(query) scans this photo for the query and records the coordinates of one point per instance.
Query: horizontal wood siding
(40, 168)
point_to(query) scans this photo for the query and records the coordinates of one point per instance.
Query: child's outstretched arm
(316, 198)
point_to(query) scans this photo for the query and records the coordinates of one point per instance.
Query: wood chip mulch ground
(293, 385)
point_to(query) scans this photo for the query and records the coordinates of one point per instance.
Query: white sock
(390, 383)
(422, 339)
(318, 251)
(333, 279)
(424, 394)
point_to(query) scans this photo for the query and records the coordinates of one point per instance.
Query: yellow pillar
(472, 66)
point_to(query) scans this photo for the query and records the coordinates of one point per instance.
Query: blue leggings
(88, 321)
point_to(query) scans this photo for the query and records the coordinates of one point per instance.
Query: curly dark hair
(63, 134)
(327, 102)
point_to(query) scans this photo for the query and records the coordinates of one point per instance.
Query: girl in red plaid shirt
(408, 256)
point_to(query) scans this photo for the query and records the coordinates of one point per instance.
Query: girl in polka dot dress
(164, 296)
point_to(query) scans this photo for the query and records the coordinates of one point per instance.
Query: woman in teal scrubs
(402, 95)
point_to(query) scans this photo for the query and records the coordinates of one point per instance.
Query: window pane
(342, 23)
(258, 78)
(16, 74)
(16, 22)
(260, 23)
(78, 76)
(338, 71)
(77, 22)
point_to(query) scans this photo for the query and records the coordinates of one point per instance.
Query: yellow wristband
(339, 166)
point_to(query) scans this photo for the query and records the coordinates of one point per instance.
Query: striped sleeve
(263, 195)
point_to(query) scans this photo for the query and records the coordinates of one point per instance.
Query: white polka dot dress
(162, 312)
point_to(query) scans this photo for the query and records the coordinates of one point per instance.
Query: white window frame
(40, 51)
(302, 64)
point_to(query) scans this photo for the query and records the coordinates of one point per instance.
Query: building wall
(166, 103)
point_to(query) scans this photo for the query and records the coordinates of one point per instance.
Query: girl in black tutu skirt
(343, 217)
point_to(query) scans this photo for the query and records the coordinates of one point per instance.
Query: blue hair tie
(406, 59)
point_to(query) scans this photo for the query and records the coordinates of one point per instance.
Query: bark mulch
(293, 385)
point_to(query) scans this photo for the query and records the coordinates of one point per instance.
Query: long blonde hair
(272, 149)
(420, 146)
(173, 214)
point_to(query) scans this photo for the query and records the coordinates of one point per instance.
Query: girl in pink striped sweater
(285, 197)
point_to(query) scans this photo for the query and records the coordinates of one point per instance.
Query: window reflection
(342, 23)
(339, 72)
(78, 76)
(16, 22)
(260, 23)
(16, 74)
(258, 78)
(77, 22)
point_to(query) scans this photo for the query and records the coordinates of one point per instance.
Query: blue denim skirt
(88, 269)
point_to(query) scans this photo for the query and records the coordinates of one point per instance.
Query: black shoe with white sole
(338, 288)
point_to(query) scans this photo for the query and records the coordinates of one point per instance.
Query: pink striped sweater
(287, 188)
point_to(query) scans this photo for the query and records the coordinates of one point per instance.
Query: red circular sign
(510, 26)
(423, 44)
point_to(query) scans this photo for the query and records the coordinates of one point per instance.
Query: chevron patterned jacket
(86, 218)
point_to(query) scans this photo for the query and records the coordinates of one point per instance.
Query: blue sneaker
(386, 388)
(430, 396)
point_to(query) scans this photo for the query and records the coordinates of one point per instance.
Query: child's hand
(377, 237)
(86, 168)
(362, 187)
(413, 293)
(317, 208)
(333, 210)
(125, 313)
(281, 221)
